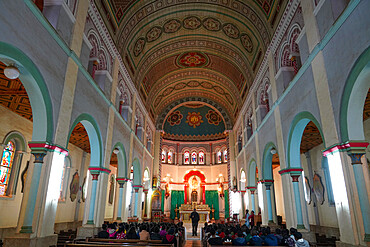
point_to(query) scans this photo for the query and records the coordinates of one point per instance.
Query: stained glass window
(169, 157)
(163, 156)
(201, 157)
(193, 157)
(225, 156)
(6, 167)
(186, 158)
(219, 157)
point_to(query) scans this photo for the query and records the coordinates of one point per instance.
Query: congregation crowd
(237, 235)
(168, 233)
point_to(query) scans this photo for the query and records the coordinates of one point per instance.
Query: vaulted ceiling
(206, 49)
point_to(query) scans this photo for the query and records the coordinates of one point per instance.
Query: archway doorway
(273, 185)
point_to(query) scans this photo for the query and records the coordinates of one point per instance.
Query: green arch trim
(122, 160)
(94, 134)
(359, 65)
(302, 116)
(267, 161)
(252, 172)
(137, 170)
(37, 92)
(20, 140)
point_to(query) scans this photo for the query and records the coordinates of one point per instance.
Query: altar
(202, 209)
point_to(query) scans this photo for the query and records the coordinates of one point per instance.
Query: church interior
(135, 113)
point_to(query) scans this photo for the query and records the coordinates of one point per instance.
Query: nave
(141, 112)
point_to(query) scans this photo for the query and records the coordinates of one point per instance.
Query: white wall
(327, 214)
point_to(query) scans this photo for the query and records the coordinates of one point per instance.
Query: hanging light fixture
(11, 72)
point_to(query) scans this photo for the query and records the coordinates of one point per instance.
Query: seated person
(299, 241)
(103, 233)
(256, 240)
(268, 238)
(170, 237)
(154, 235)
(144, 234)
(240, 240)
(131, 234)
(121, 233)
(214, 239)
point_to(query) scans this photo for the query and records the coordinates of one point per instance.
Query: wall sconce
(116, 151)
(11, 72)
(273, 151)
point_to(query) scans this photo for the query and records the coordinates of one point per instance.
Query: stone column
(361, 190)
(253, 200)
(136, 200)
(120, 195)
(242, 193)
(145, 202)
(297, 196)
(30, 209)
(95, 176)
(269, 203)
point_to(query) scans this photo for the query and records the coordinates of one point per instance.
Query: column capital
(251, 188)
(39, 147)
(98, 170)
(291, 171)
(356, 158)
(348, 146)
(122, 180)
(95, 176)
(145, 191)
(120, 185)
(295, 177)
(39, 156)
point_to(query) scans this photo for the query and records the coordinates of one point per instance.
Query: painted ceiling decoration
(199, 121)
(207, 49)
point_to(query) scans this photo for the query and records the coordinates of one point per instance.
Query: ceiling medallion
(192, 59)
(175, 118)
(194, 119)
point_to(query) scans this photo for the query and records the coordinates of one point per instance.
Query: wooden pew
(97, 244)
(106, 240)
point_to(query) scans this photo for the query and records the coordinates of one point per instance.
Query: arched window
(6, 167)
(163, 156)
(186, 158)
(219, 157)
(64, 179)
(201, 157)
(169, 157)
(193, 158)
(225, 156)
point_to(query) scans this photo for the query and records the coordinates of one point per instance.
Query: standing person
(247, 218)
(194, 220)
(251, 219)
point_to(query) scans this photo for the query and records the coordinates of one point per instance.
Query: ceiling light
(11, 72)
(273, 151)
(116, 151)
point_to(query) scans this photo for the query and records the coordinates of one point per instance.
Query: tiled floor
(193, 243)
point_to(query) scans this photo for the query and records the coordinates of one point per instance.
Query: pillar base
(26, 229)
(87, 231)
(118, 218)
(367, 237)
(23, 240)
(343, 244)
(90, 222)
(300, 227)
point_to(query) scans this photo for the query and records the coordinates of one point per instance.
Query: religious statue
(167, 190)
(194, 183)
(74, 186)
(235, 184)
